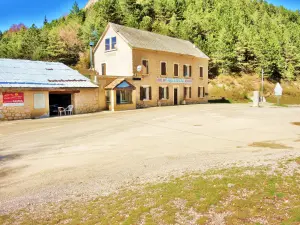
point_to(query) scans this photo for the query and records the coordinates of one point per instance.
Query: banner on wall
(13, 99)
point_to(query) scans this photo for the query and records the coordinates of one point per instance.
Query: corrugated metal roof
(149, 40)
(36, 74)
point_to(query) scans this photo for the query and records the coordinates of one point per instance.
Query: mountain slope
(90, 3)
(240, 36)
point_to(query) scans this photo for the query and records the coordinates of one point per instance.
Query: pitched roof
(119, 83)
(37, 74)
(148, 40)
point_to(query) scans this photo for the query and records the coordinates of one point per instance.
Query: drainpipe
(91, 55)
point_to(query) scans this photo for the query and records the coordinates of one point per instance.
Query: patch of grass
(268, 144)
(192, 199)
(280, 105)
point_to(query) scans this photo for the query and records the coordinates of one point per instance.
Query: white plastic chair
(69, 110)
(61, 110)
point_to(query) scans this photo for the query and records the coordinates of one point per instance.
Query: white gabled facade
(118, 61)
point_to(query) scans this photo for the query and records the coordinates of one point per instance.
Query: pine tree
(75, 9)
(45, 21)
(30, 42)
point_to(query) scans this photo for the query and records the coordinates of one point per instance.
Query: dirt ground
(81, 157)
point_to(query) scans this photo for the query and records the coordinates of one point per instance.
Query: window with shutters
(201, 72)
(145, 64)
(164, 93)
(187, 92)
(103, 68)
(201, 92)
(145, 93)
(163, 68)
(176, 70)
(187, 70)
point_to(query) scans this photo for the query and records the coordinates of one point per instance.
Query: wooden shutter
(199, 92)
(184, 70)
(190, 71)
(190, 92)
(201, 72)
(142, 96)
(203, 92)
(163, 68)
(185, 92)
(145, 67)
(167, 92)
(176, 70)
(150, 93)
(160, 92)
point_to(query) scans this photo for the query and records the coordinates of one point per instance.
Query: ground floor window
(163, 93)
(187, 92)
(107, 96)
(201, 92)
(124, 96)
(145, 93)
(39, 101)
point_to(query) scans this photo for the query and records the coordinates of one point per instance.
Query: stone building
(164, 70)
(33, 89)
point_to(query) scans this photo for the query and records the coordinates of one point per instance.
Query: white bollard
(255, 99)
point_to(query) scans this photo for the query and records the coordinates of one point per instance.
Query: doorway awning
(120, 84)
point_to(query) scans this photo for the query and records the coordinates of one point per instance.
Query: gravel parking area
(80, 157)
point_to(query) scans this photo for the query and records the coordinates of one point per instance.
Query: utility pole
(262, 85)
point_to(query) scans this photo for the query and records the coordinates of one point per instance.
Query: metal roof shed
(36, 74)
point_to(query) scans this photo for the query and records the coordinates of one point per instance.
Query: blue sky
(34, 11)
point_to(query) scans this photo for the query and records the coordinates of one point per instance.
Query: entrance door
(58, 100)
(175, 96)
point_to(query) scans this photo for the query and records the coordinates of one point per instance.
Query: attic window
(113, 43)
(107, 44)
(110, 44)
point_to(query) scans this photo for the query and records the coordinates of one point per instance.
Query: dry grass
(230, 196)
(240, 88)
(268, 144)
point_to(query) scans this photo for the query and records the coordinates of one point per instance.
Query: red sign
(13, 99)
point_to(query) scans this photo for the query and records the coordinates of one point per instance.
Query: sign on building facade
(174, 80)
(13, 99)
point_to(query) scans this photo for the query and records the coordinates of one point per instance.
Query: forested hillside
(240, 36)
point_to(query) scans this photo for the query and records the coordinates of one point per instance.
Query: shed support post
(112, 100)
